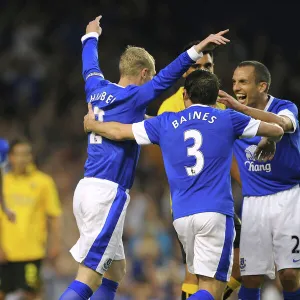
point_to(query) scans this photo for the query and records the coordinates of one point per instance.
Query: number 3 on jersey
(194, 151)
(95, 138)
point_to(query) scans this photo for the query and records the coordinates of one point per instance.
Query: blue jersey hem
(86, 175)
(186, 214)
(273, 192)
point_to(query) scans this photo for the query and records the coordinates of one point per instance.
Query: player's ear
(263, 87)
(185, 95)
(144, 73)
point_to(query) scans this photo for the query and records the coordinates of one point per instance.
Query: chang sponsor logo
(253, 166)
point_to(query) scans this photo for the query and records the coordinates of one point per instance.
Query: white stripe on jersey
(140, 133)
(290, 115)
(89, 35)
(251, 129)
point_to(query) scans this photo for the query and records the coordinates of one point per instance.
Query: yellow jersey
(33, 197)
(175, 103)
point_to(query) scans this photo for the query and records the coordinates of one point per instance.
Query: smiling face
(246, 87)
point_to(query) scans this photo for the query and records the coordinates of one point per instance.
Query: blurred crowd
(42, 97)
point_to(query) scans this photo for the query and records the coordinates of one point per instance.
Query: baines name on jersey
(195, 115)
(108, 98)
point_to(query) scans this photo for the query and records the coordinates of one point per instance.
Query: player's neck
(261, 103)
(128, 80)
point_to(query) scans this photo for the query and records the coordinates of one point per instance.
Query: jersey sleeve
(290, 110)
(91, 72)
(243, 126)
(52, 203)
(165, 78)
(147, 132)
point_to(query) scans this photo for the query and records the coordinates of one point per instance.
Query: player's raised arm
(170, 74)
(90, 65)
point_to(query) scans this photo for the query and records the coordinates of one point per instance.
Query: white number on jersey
(194, 151)
(95, 138)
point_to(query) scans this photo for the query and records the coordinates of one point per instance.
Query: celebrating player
(175, 103)
(101, 198)
(198, 173)
(271, 206)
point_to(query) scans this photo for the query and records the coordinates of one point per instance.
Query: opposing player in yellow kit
(175, 103)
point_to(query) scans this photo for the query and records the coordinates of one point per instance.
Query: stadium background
(42, 97)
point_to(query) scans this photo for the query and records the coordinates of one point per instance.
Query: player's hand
(11, 215)
(94, 26)
(228, 101)
(265, 150)
(212, 41)
(89, 118)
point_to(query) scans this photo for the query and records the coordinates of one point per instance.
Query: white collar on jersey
(199, 105)
(271, 98)
(117, 85)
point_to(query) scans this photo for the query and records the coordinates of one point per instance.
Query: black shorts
(236, 243)
(20, 275)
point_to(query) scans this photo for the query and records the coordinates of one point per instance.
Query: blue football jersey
(197, 146)
(283, 171)
(116, 161)
(4, 147)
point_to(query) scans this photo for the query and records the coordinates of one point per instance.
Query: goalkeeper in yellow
(175, 104)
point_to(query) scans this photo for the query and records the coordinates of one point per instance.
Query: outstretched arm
(111, 130)
(272, 131)
(170, 74)
(144, 133)
(286, 122)
(91, 72)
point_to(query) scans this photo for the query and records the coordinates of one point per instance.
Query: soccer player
(270, 215)
(101, 198)
(11, 216)
(198, 173)
(32, 195)
(175, 103)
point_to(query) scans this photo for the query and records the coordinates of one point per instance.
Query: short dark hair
(202, 87)
(191, 44)
(262, 74)
(17, 141)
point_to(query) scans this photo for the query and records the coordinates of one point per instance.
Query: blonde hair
(134, 59)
